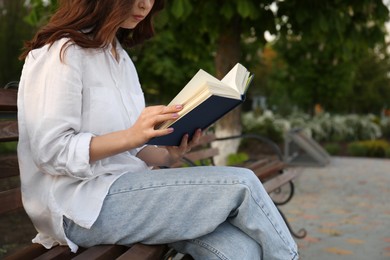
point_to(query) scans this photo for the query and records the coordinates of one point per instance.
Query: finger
(196, 138)
(184, 141)
(166, 117)
(160, 109)
(171, 109)
(162, 132)
(158, 119)
(184, 144)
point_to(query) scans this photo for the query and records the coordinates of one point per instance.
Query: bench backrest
(10, 196)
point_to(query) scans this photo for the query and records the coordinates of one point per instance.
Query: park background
(320, 66)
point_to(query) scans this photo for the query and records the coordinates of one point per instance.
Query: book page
(237, 78)
(196, 84)
(223, 90)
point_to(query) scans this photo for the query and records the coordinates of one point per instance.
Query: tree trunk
(228, 54)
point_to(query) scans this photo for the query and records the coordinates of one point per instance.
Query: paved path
(345, 208)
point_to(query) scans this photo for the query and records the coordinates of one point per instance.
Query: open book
(205, 99)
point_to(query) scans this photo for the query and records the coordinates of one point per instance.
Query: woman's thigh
(163, 206)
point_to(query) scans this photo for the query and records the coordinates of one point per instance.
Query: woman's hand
(144, 128)
(168, 155)
(177, 152)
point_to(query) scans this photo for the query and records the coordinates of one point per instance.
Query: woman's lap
(170, 205)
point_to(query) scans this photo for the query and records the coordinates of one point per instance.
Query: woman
(86, 176)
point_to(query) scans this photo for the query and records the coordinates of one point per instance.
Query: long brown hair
(93, 24)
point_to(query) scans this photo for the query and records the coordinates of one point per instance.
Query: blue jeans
(207, 212)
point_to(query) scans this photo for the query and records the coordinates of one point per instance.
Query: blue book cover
(202, 117)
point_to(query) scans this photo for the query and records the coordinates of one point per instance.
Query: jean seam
(209, 247)
(114, 192)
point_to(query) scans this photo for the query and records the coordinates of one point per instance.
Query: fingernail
(179, 106)
(171, 129)
(175, 115)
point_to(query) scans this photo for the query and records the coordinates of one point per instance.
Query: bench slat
(29, 252)
(257, 164)
(10, 200)
(8, 99)
(145, 252)
(9, 166)
(58, 252)
(8, 131)
(102, 252)
(269, 170)
(280, 180)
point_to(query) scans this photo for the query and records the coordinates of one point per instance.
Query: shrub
(332, 148)
(387, 152)
(371, 148)
(385, 127)
(266, 125)
(323, 127)
(237, 158)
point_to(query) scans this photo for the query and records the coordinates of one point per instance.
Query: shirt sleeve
(52, 96)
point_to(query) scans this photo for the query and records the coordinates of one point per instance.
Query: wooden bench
(270, 171)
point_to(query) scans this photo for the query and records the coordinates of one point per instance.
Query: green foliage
(247, 9)
(332, 148)
(371, 148)
(322, 47)
(237, 158)
(385, 127)
(188, 33)
(13, 31)
(371, 87)
(40, 11)
(323, 127)
(356, 149)
(8, 147)
(266, 124)
(181, 8)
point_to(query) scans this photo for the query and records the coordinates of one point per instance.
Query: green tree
(322, 44)
(371, 87)
(13, 30)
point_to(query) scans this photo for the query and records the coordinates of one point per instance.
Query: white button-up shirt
(61, 106)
